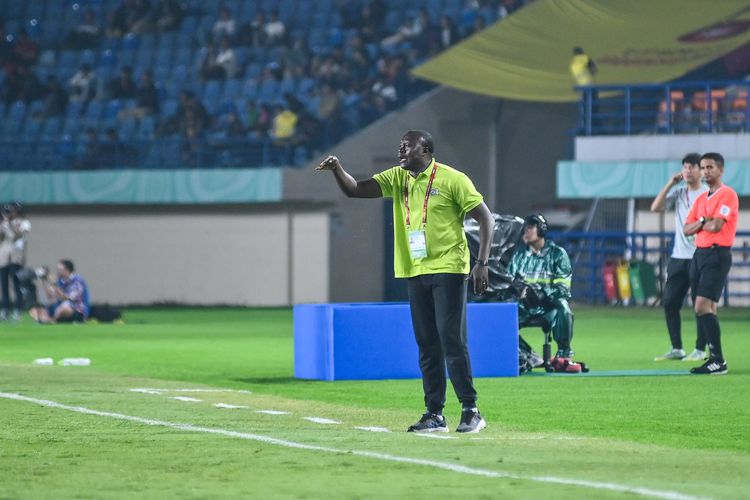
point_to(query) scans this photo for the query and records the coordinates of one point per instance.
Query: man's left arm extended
(480, 271)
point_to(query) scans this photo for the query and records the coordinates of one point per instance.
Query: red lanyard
(426, 198)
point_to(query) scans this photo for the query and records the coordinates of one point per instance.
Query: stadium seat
(232, 89)
(17, 111)
(146, 128)
(31, 130)
(93, 110)
(127, 128)
(51, 129)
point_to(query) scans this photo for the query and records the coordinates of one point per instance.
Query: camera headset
(539, 221)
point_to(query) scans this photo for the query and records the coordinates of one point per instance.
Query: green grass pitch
(563, 436)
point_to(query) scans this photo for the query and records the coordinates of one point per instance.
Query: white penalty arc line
(461, 469)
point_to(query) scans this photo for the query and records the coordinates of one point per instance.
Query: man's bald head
(424, 137)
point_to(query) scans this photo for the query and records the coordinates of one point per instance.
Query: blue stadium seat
(127, 127)
(88, 57)
(51, 129)
(183, 56)
(148, 41)
(74, 108)
(112, 108)
(131, 41)
(253, 70)
(189, 25)
(250, 89)
(108, 58)
(146, 128)
(17, 111)
(213, 90)
(232, 89)
(94, 110)
(169, 107)
(31, 129)
(144, 59)
(167, 41)
(68, 59)
(288, 85)
(72, 126)
(126, 57)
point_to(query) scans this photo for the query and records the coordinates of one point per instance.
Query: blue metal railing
(590, 251)
(694, 107)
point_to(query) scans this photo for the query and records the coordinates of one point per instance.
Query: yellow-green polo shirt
(453, 195)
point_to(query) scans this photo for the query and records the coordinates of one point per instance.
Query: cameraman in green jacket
(545, 271)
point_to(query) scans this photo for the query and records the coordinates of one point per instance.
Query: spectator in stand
(123, 86)
(55, 99)
(370, 27)
(411, 29)
(329, 105)
(479, 25)
(91, 157)
(219, 64)
(275, 29)
(447, 33)
(167, 15)
(506, 8)
(82, 85)
(146, 97)
(131, 16)
(253, 33)
(351, 14)
(262, 124)
(225, 26)
(226, 59)
(110, 150)
(283, 126)
(26, 50)
(85, 35)
(378, 10)
(233, 127)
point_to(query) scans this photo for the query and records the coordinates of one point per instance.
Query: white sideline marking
(225, 405)
(373, 429)
(273, 412)
(433, 435)
(319, 420)
(461, 469)
(186, 399)
(154, 390)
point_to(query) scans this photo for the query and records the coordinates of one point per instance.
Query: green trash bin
(642, 281)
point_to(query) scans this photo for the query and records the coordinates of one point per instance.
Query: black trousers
(438, 314)
(7, 274)
(679, 276)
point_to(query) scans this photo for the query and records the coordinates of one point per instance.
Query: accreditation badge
(417, 244)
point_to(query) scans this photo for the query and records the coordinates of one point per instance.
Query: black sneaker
(471, 422)
(711, 367)
(429, 422)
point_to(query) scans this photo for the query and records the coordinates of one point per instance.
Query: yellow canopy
(527, 55)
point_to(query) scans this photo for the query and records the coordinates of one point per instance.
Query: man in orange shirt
(713, 221)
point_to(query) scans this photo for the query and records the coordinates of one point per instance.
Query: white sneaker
(16, 316)
(696, 355)
(672, 354)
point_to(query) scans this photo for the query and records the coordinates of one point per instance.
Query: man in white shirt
(680, 199)
(15, 229)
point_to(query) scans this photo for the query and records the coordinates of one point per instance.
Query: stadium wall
(240, 255)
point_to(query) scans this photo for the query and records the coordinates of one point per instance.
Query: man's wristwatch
(702, 220)
(484, 263)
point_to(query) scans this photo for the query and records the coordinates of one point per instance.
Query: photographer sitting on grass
(69, 296)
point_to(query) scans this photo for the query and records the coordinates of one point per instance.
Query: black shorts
(710, 269)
